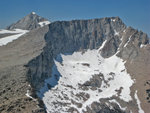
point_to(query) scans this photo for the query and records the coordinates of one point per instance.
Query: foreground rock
(14, 84)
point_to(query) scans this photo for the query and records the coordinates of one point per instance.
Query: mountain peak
(29, 22)
(33, 13)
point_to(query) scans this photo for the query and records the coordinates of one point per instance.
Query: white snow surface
(44, 23)
(124, 30)
(114, 101)
(3, 31)
(138, 102)
(128, 41)
(28, 95)
(16, 34)
(116, 33)
(33, 13)
(102, 46)
(113, 20)
(142, 45)
(73, 73)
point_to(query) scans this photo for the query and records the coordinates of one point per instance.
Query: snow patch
(128, 41)
(8, 39)
(44, 23)
(114, 101)
(33, 13)
(102, 46)
(28, 95)
(116, 33)
(73, 73)
(113, 20)
(142, 45)
(3, 31)
(138, 102)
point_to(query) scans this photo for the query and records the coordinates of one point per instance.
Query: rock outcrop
(78, 35)
(70, 36)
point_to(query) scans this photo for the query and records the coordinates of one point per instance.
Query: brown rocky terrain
(14, 84)
(139, 69)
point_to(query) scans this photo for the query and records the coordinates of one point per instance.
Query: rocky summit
(29, 22)
(79, 66)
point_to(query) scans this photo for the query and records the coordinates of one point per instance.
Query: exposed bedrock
(79, 35)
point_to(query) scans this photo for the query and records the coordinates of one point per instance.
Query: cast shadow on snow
(53, 80)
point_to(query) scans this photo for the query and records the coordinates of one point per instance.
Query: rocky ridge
(14, 55)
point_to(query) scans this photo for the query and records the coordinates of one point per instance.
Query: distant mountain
(24, 25)
(29, 22)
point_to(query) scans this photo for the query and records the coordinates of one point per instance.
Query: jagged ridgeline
(79, 35)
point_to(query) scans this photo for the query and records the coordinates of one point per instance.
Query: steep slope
(112, 39)
(14, 84)
(29, 22)
(17, 48)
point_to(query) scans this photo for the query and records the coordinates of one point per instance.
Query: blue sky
(135, 13)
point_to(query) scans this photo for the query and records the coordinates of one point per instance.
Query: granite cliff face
(79, 35)
(76, 35)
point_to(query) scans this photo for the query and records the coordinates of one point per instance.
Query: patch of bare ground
(139, 69)
(14, 84)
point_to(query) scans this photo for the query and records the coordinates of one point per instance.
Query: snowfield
(74, 69)
(138, 102)
(44, 23)
(15, 35)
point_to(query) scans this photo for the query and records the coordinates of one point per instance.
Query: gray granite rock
(29, 22)
(79, 35)
(76, 35)
(132, 40)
